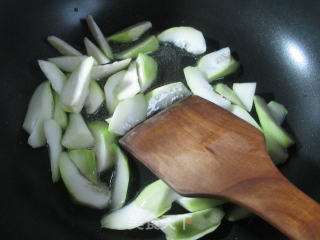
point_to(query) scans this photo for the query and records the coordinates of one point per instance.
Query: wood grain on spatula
(200, 149)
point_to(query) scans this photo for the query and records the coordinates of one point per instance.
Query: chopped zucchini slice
(85, 161)
(200, 87)
(278, 154)
(102, 71)
(131, 33)
(187, 38)
(245, 92)
(75, 91)
(128, 114)
(190, 226)
(82, 190)
(63, 47)
(269, 125)
(227, 92)
(244, 115)
(199, 204)
(278, 111)
(95, 52)
(67, 63)
(162, 97)
(147, 71)
(59, 115)
(236, 213)
(218, 64)
(77, 134)
(149, 45)
(53, 74)
(95, 98)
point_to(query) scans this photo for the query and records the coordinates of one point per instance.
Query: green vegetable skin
(151, 44)
(143, 209)
(269, 125)
(131, 33)
(198, 204)
(85, 161)
(147, 71)
(191, 225)
(59, 114)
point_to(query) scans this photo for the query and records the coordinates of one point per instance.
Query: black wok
(277, 43)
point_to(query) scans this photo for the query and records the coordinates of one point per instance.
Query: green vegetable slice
(82, 190)
(278, 111)
(190, 226)
(200, 87)
(187, 38)
(143, 209)
(149, 45)
(218, 64)
(227, 92)
(95, 52)
(95, 98)
(269, 125)
(244, 115)
(147, 71)
(67, 63)
(53, 74)
(162, 97)
(199, 204)
(103, 140)
(120, 183)
(245, 92)
(75, 91)
(85, 161)
(98, 36)
(63, 47)
(59, 115)
(102, 71)
(236, 213)
(131, 33)
(77, 134)
(128, 114)
(277, 153)
(53, 134)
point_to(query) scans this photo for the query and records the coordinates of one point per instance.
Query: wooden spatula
(200, 149)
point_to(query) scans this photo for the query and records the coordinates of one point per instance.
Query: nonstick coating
(277, 43)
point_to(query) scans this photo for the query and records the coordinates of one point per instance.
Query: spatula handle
(280, 203)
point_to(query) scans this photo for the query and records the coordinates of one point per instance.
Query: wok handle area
(280, 203)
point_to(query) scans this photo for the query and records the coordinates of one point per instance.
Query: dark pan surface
(277, 43)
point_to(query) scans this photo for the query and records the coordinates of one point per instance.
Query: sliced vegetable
(199, 204)
(82, 190)
(95, 52)
(131, 33)
(103, 71)
(76, 89)
(277, 153)
(162, 97)
(190, 226)
(59, 115)
(77, 134)
(244, 115)
(53, 134)
(85, 161)
(128, 114)
(149, 45)
(147, 71)
(143, 209)
(218, 64)
(245, 92)
(67, 63)
(129, 86)
(53, 74)
(63, 47)
(40, 107)
(95, 98)
(121, 179)
(186, 38)
(200, 87)
(227, 92)
(103, 140)
(98, 36)
(236, 213)
(269, 125)
(278, 111)
(110, 90)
